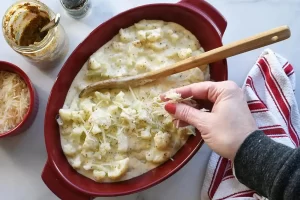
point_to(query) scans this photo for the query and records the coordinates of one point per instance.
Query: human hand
(228, 124)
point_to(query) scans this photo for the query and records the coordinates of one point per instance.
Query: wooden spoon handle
(234, 48)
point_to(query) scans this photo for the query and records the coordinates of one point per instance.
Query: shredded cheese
(14, 100)
(114, 135)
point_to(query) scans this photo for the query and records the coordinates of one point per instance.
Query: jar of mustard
(21, 27)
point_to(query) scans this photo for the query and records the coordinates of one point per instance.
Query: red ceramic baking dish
(203, 20)
(33, 105)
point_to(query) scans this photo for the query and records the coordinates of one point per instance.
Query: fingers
(178, 123)
(203, 90)
(206, 90)
(191, 102)
(163, 98)
(188, 114)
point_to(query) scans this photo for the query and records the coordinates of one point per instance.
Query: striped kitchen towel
(269, 90)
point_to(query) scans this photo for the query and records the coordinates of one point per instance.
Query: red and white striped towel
(269, 90)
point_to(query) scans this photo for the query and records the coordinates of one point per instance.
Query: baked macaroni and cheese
(114, 135)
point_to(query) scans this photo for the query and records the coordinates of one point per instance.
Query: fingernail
(163, 97)
(170, 108)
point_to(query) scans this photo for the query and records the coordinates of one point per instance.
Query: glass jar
(51, 48)
(76, 8)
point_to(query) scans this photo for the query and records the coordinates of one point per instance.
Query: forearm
(270, 168)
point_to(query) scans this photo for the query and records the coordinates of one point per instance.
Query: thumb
(188, 114)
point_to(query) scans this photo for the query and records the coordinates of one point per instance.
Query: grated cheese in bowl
(14, 100)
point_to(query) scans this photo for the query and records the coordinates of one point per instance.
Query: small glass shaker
(76, 8)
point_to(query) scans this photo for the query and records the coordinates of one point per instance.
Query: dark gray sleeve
(270, 168)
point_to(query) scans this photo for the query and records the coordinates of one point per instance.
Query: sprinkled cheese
(174, 97)
(14, 100)
(119, 134)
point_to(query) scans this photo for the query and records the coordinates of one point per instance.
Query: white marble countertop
(23, 157)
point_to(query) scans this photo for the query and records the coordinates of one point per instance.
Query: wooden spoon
(53, 23)
(234, 48)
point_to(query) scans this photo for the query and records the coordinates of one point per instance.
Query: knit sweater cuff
(255, 159)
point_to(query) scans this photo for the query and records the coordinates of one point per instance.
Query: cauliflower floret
(129, 114)
(87, 153)
(77, 130)
(101, 117)
(59, 121)
(96, 129)
(120, 97)
(122, 142)
(174, 37)
(118, 169)
(101, 69)
(197, 75)
(114, 170)
(87, 105)
(69, 150)
(87, 166)
(142, 64)
(104, 148)
(154, 35)
(113, 109)
(78, 116)
(146, 133)
(162, 140)
(93, 64)
(184, 53)
(97, 155)
(90, 142)
(157, 156)
(137, 43)
(141, 35)
(171, 53)
(99, 175)
(67, 130)
(76, 133)
(126, 36)
(102, 96)
(76, 162)
(65, 114)
(137, 105)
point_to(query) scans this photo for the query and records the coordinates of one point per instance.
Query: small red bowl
(33, 105)
(197, 16)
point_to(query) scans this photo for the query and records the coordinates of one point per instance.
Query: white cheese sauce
(115, 135)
